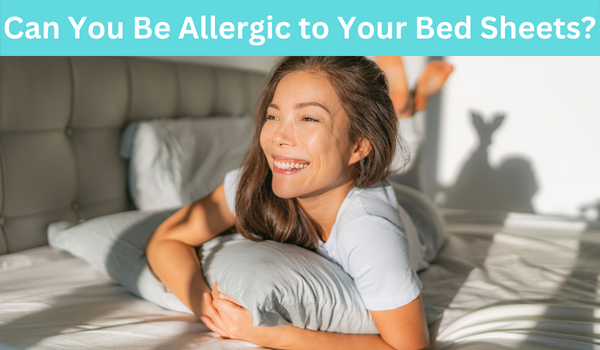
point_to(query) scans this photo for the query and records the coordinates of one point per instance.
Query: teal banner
(250, 28)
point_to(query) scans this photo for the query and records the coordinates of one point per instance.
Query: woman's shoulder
(371, 204)
(230, 185)
(369, 217)
(233, 172)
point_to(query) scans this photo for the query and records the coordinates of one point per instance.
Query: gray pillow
(284, 284)
(115, 244)
(173, 162)
(280, 284)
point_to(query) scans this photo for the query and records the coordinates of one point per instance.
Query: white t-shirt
(369, 242)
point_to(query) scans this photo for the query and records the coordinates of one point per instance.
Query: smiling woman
(306, 125)
(314, 176)
(332, 113)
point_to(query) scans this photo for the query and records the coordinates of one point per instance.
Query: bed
(504, 280)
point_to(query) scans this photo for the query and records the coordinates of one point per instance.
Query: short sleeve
(230, 184)
(376, 257)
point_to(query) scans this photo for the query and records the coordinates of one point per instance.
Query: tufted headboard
(60, 123)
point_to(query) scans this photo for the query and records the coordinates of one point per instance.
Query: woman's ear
(360, 150)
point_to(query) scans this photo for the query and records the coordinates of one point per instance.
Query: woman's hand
(402, 328)
(226, 317)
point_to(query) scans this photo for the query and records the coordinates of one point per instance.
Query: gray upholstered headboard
(60, 125)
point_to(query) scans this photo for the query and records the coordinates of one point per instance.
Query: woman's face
(305, 137)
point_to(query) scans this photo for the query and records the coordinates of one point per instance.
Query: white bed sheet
(517, 281)
(52, 300)
(504, 281)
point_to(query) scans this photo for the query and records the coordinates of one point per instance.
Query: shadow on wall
(509, 187)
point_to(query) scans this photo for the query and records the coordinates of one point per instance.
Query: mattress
(504, 281)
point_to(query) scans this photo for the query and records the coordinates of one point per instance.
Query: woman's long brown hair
(364, 95)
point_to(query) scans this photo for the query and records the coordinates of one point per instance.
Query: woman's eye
(272, 117)
(310, 119)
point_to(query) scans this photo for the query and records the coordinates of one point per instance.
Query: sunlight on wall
(552, 121)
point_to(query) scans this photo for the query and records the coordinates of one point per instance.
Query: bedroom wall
(549, 134)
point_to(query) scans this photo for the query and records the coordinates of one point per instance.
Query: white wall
(552, 107)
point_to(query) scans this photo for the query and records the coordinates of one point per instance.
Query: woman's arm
(171, 249)
(401, 328)
(404, 327)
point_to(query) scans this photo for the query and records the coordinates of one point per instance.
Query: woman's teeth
(289, 166)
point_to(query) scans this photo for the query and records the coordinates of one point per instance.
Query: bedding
(516, 281)
(173, 162)
(283, 284)
(505, 281)
(280, 283)
(114, 244)
(53, 300)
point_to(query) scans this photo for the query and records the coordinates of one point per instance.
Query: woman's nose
(284, 135)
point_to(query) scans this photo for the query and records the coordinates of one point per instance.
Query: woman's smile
(287, 165)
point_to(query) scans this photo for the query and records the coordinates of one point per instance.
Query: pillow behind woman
(173, 162)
